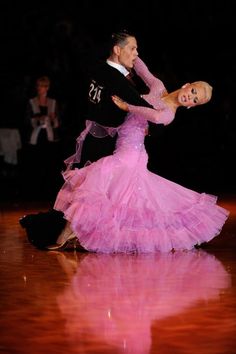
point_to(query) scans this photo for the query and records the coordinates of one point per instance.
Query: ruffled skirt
(117, 205)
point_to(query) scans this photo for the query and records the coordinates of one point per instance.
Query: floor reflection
(80, 303)
(115, 299)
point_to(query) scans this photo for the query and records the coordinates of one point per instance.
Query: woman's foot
(67, 240)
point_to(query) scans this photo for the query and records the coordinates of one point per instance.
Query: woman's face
(42, 89)
(191, 95)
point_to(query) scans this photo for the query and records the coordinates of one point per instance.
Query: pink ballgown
(117, 205)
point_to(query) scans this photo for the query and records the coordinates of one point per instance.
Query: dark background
(180, 41)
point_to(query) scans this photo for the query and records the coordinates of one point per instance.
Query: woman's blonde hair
(207, 90)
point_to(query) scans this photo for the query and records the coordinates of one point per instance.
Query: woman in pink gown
(117, 205)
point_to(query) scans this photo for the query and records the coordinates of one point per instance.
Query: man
(106, 79)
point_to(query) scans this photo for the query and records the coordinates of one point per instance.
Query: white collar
(119, 67)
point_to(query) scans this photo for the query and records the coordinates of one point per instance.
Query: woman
(40, 163)
(43, 114)
(117, 205)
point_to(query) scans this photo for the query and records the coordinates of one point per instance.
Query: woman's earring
(188, 107)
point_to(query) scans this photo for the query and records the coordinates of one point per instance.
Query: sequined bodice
(132, 133)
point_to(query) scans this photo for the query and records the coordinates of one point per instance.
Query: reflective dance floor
(72, 302)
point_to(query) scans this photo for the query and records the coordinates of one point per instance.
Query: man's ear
(116, 49)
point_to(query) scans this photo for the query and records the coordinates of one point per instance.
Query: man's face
(128, 53)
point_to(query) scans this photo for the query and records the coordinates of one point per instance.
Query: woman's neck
(171, 99)
(42, 100)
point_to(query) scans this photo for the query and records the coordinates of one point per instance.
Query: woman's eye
(194, 91)
(195, 100)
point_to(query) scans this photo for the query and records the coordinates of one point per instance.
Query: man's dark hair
(119, 38)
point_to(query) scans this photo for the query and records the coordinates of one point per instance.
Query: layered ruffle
(118, 207)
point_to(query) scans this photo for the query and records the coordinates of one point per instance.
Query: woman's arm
(143, 72)
(157, 116)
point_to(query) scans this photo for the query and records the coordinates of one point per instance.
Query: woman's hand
(121, 104)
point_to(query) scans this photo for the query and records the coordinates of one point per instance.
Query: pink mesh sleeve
(142, 70)
(158, 116)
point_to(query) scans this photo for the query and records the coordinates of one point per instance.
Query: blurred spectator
(42, 115)
(40, 164)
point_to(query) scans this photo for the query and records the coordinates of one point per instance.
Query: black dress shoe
(22, 221)
(43, 229)
(25, 220)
